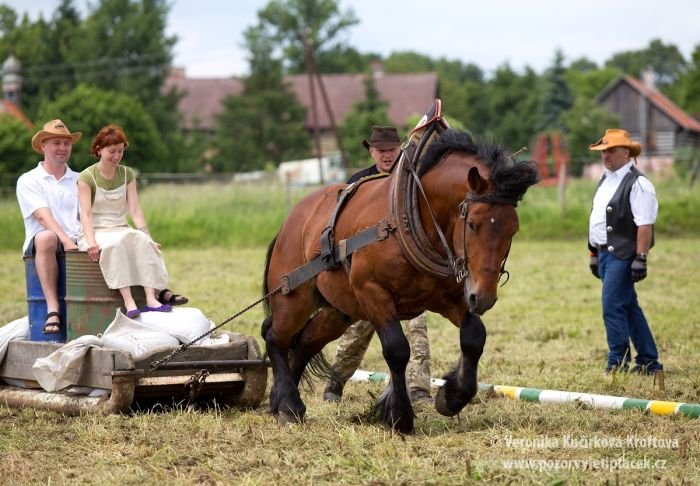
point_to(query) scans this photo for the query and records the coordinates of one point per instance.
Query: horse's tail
(266, 289)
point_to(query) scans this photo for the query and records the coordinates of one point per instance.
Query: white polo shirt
(643, 201)
(38, 189)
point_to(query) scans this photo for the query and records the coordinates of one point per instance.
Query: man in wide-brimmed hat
(384, 146)
(620, 235)
(48, 199)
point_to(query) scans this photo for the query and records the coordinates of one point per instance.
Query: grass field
(544, 332)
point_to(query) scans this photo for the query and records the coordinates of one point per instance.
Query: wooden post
(694, 172)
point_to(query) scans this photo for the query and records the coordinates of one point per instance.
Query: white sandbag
(61, 368)
(183, 323)
(17, 329)
(140, 342)
(135, 337)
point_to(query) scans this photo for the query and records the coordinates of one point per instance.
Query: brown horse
(471, 191)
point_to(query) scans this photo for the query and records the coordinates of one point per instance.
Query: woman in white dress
(127, 256)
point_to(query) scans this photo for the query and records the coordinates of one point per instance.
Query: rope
(155, 364)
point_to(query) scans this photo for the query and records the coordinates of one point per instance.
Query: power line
(154, 69)
(130, 59)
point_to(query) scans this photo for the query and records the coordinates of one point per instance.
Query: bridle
(460, 265)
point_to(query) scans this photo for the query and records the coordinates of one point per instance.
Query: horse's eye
(472, 226)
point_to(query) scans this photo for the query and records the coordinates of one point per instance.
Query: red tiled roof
(13, 110)
(202, 98)
(673, 111)
(407, 94)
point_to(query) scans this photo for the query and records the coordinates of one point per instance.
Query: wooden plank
(95, 370)
(99, 363)
(182, 379)
(237, 349)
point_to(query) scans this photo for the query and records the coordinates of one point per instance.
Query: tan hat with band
(615, 137)
(54, 129)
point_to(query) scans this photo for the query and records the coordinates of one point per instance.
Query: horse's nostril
(473, 300)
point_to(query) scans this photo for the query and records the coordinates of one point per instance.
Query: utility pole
(326, 103)
(314, 112)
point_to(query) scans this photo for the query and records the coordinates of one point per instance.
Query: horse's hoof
(441, 404)
(286, 418)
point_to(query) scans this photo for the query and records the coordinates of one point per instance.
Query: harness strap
(328, 254)
(404, 200)
(309, 270)
(446, 247)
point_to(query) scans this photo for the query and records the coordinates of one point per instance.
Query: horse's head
(489, 183)
(483, 233)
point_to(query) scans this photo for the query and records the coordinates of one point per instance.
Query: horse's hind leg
(327, 325)
(278, 330)
(461, 383)
(394, 405)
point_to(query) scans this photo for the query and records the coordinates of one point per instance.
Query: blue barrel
(36, 302)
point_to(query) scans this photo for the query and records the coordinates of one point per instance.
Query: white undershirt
(643, 201)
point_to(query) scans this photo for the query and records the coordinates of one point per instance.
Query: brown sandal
(172, 298)
(52, 327)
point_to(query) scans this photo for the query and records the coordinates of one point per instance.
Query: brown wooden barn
(650, 117)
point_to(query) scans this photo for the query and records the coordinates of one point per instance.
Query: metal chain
(155, 364)
(194, 384)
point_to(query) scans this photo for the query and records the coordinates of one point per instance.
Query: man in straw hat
(384, 146)
(48, 199)
(620, 234)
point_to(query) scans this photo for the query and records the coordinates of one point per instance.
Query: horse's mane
(510, 178)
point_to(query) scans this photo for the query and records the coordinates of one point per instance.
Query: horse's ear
(477, 184)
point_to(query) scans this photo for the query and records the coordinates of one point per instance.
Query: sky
(488, 33)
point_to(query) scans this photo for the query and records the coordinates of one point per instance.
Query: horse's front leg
(394, 406)
(461, 383)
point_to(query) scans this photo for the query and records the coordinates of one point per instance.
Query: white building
(307, 171)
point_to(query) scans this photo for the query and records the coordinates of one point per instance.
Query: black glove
(639, 268)
(593, 263)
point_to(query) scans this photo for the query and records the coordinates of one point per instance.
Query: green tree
(513, 102)
(322, 22)
(688, 87)
(665, 60)
(120, 46)
(265, 124)
(589, 83)
(16, 153)
(584, 123)
(462, 86)
(557, 96)
(87, 109)
(359, 121)
(408, 62)
(125, 49)
(29, 42)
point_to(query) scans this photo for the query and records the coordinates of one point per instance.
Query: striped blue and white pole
(656, 407)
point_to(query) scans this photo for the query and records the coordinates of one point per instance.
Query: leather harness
(404, 213)
(332, 255)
